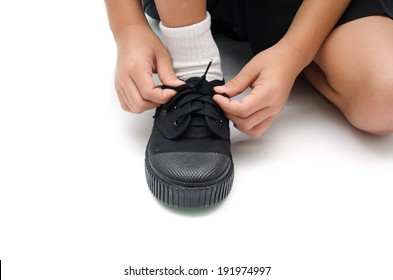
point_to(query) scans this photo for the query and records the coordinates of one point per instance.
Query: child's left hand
(271, 75)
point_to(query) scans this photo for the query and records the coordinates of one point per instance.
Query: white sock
(191, 48)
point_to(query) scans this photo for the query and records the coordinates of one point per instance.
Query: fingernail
(220, 88)
(169, 91)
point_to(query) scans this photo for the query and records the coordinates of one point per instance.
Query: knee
(372, 109)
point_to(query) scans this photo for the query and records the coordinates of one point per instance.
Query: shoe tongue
(213, 128)
(197, 132)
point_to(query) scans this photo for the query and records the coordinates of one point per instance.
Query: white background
(312, 198)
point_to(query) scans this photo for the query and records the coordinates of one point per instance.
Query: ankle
(191, 48)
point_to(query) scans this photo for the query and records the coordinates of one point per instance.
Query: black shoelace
(197, 95)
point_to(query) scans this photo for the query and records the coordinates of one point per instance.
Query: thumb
(165, 71)
(239, 83)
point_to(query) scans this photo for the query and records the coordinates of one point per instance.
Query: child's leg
(185, 26)
(354, 69)
(179, 13)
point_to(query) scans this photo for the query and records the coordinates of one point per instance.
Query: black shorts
(264, 22)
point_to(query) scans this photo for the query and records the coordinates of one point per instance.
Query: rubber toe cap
(191, 167)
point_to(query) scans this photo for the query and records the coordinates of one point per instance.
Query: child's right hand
(140, 54)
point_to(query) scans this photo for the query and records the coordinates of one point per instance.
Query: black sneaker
(188, 159)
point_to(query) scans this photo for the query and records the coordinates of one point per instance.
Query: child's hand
(140, 54)
(271, 75)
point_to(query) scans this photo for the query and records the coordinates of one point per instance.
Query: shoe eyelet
(176, 123)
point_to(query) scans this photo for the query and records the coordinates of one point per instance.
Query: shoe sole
(189, 197)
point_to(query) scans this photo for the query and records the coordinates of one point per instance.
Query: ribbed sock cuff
(191, 48)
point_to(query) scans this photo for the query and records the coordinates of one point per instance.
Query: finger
(135, 101)
(143, 79)
(165, 71)
(250, 104)
(252, 121)
(240, 82)
(232, 107)
(261, 128)
(122, 101)
(167, 76)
